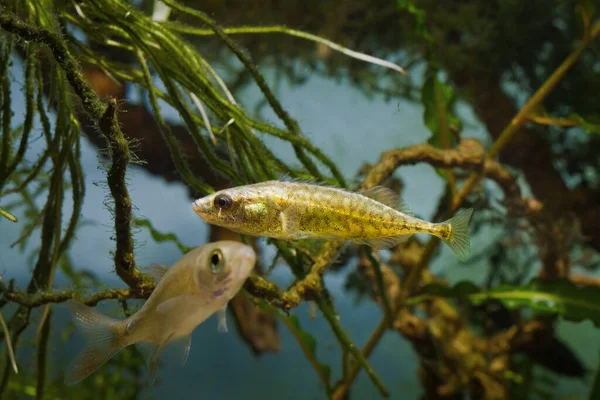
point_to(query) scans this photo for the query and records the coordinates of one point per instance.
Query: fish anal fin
(381, 243)
(182, 347)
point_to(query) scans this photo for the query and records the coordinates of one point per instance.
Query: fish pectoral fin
(222, 317)
(183, 304)
(389, 198)
(381, 243)
(183, 346)
(289, 220)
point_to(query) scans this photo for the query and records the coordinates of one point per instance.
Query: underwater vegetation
(519, 206)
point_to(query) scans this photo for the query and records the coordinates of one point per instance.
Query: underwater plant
(526, 70)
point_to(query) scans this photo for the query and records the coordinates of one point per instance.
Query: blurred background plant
(530, 71)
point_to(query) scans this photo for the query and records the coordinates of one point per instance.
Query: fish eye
(223, 201)
(216, 261)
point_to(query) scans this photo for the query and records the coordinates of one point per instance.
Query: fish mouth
(199, 208)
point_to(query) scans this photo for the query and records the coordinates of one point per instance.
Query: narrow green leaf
(436, 94)
(420, 18)
(561, 297)
(438, 98)
(589, 124)
(7, 215)
(162, 237)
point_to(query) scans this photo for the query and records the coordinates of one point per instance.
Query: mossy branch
(105, 115)
(90, 100)
(119, 149)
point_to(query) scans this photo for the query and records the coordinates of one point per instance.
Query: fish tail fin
(458, 240)
(100, 334)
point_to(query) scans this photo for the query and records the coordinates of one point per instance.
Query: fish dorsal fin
(404, 208)
(158, 271)
(383, 195)
(388, 197)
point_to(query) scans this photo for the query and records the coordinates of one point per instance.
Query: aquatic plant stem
(42, 358)
(343, 338)
(11, 353)
(341, 391)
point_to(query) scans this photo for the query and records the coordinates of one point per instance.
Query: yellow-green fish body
(296, 210)
(199, 284)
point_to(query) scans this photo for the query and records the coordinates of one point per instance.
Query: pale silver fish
(199, 284)
(297, 210)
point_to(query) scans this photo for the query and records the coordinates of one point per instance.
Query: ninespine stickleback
(296, 210)
(199, 284)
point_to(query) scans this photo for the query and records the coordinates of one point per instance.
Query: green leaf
(420, 18)
(162, 237)
(438, 99)
(588, 124)
(558, 297)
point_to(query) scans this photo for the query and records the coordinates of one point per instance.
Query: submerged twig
(9, 346)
